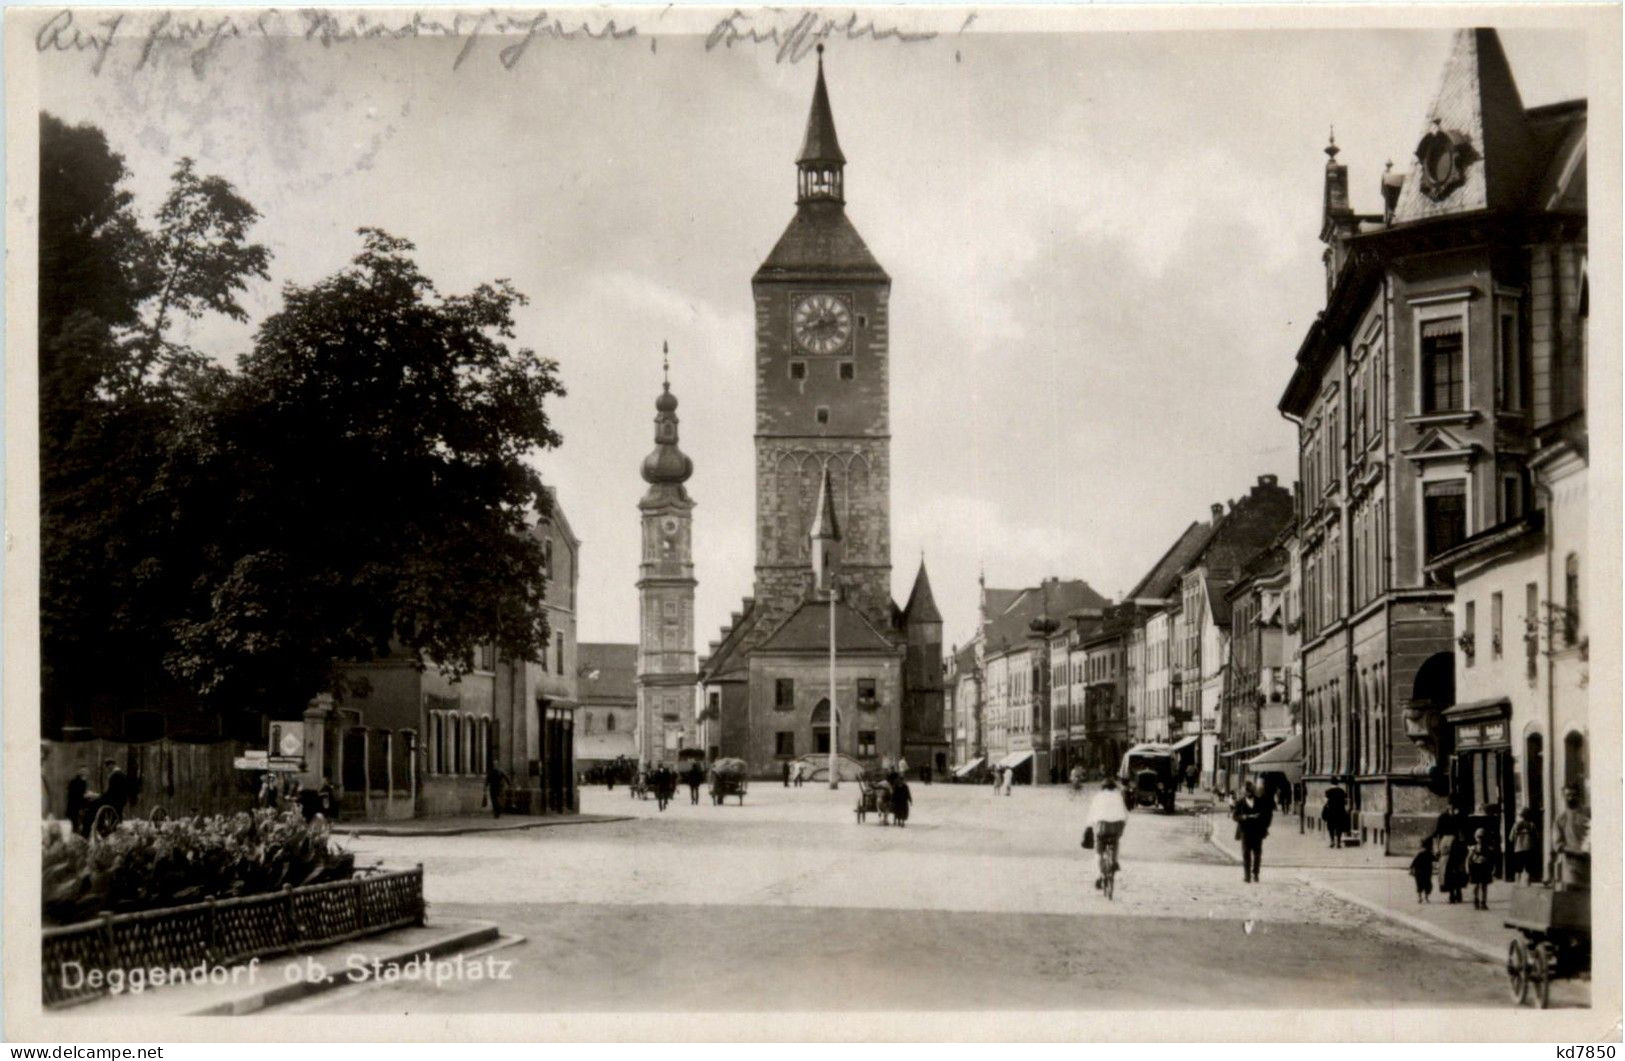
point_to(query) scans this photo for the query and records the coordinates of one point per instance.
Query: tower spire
(820, 163)
(667, 464)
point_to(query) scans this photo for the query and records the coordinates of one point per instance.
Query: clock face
(822, 323)
(668, 526)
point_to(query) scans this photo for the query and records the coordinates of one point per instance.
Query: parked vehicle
(1150, 777)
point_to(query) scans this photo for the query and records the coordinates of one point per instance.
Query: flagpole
(834, 719)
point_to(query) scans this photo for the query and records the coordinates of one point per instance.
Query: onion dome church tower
(666, 667)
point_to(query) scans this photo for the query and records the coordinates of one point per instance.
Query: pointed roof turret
(921, 606)
(825, 526)
(1475, 149)
(820, 145)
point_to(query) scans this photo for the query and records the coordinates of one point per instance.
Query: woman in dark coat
(1452, 850)
(1335, 815)
(901, 798)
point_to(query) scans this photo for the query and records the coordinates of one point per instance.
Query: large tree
(114, 390)
(368, 470)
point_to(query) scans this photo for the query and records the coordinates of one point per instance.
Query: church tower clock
(822, 401)
(666, 665)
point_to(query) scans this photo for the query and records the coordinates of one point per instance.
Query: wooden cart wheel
(1544, 969)
(1518, 970)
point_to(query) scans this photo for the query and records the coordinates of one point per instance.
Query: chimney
(1218, 510)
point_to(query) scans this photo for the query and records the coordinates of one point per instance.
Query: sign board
(260, 763)
(287, 740)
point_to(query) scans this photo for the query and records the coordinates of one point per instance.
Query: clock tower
(666, 665)
(822, 399)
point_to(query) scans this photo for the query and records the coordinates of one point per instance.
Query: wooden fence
(182, 778)
(202, 937)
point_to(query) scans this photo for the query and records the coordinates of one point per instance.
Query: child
(1422, 871)
(1480, 869)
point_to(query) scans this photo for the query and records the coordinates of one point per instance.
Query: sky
(1103, 247)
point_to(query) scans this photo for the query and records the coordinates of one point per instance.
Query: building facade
(1413, 397)
(608, 714)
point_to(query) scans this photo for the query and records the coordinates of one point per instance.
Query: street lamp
(826, 558)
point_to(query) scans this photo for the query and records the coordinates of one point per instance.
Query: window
(1495, 624)
(784, 693)
(1511, 496)
(558, 654)
(798, 370)
(485, 657)
(822, 414)
(587, 723)
(1444, 374)
(1531, 627)
(866, 689)
(849, 370)
(784, 743)
(1444, 514)
(1469, 620)
(1511, 360)
(547, 558)
(866, 743)
(1571, 599)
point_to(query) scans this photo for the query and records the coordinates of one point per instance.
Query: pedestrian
(901, 799)
(116, 790)
(1422, 872)
(1009, 780)
(78, 801)
(665, 785)
(1571, 842)
(1480, 868)
(799, 774)
(1252, 815)
(1190, 777)
(495, 782)
(310, 803)
(998, 779)
(330, 802)
(1452, 856)
(696, 776)
(786, 773)
(1521, 839)
(1334, 814)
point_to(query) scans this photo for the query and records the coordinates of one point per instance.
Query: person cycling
(1108, 815)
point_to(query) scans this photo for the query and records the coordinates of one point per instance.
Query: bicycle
(1106, 846)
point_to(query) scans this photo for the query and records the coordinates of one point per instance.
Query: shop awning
(1184, 742)
(964, 769)
(1015, 759)
(1490, 710)
(1251, 749)
(1285, 758)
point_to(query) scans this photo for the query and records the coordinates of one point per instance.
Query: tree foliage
(358, 485)
(374, 446)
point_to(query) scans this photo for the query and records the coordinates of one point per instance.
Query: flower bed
(204, 893)
(193, 941)
(144, 865)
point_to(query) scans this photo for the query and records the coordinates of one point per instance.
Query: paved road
(980, 903)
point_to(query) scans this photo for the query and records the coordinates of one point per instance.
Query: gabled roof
(608, 671)
(1159, 583)
(1477, 108)
(921, 606)
(807, 629)
(727, 660)
(821, 243)
(1011, 626)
